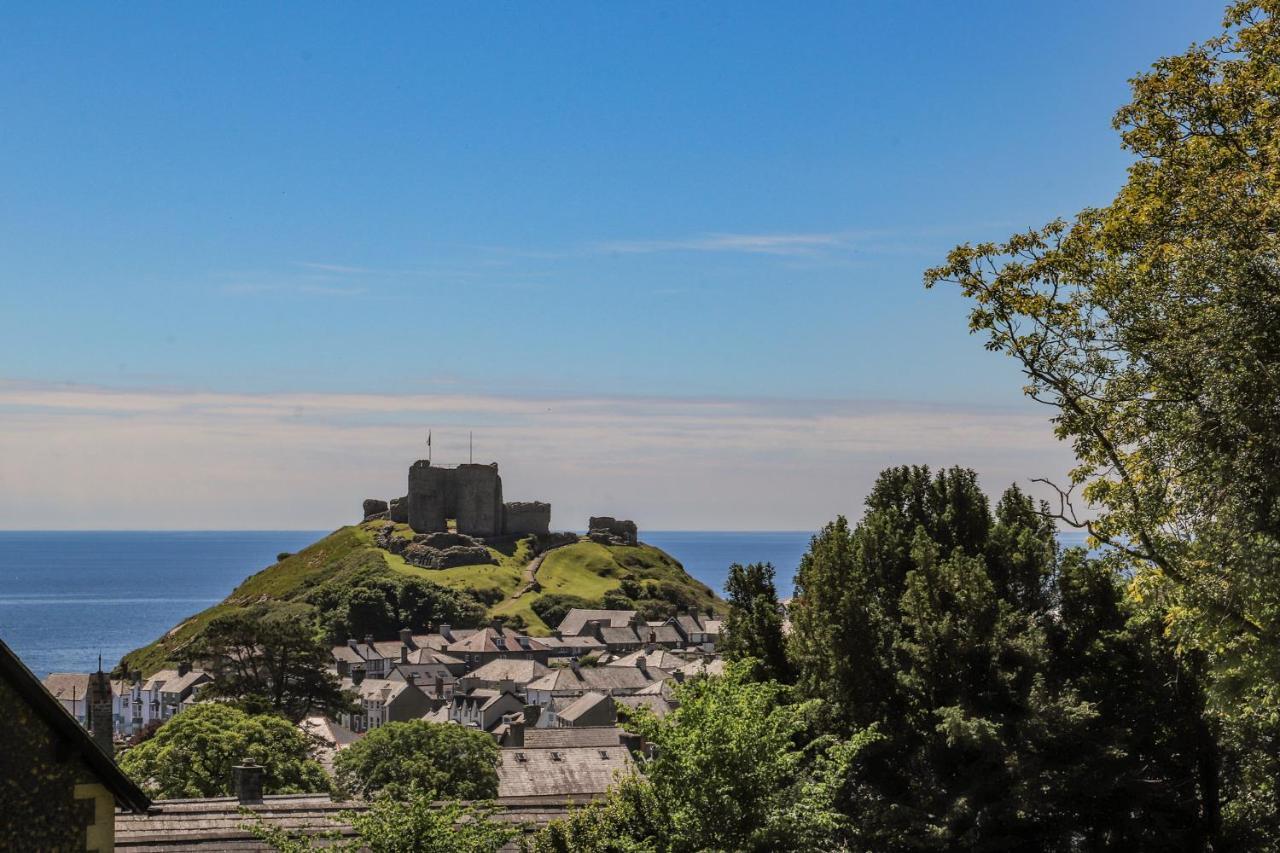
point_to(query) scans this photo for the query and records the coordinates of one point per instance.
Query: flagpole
(471, 447)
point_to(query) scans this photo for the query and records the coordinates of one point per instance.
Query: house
(576, 680)
(517, 672)
(573, 647)
(59, 788)
(330, 737)
(658, 703)
(383, 700)
(663, 633)
(483, 709)
(696, 631)
(495, 642)
(575, 621)
(72, 690)
(162, 695)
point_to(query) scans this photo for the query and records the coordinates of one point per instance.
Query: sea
(67, 598)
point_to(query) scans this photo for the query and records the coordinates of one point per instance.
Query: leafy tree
(450, 760)
(753, 628)
(553, 607)
(365, 599)
(1151, 327)
(732, 770)
(419, 824)
(191, 755)
(271, 659)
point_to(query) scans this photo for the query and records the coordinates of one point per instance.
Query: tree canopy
(192, 754)
(271, 658)
(753, 627)
(444, 758)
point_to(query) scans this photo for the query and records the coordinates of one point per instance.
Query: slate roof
(659, 705)
(663, 633)
(585, 643)
(619, 636)
(606, 679)
(714, 666)
(215, 823)
(69, 731)
(585, 703)
(574, 621)
(519, 670)
(376, 689)
(183, 683)
(661, 658)
(489, 640)
(572, 736)
(67, 685)
(562, 772)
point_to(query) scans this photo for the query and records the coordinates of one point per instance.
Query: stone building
(58, 788)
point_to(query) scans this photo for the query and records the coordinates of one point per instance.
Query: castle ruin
(470, 495)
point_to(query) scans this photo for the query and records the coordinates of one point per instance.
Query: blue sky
(505, 202)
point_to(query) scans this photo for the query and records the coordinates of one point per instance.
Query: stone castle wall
(470, 494)
(525, 518)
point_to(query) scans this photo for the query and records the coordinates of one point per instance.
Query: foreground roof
(216, 823)
(563, 772)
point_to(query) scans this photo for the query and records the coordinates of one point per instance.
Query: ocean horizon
(68, 596)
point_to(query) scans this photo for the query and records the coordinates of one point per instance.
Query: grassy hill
(346, 566)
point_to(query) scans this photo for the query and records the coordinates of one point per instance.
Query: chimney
(98, 711)
(446, 631)
(678, 675)
(506, 685)
(515, 730)
(351, 644)
(642, 663)
(439, 686)
(406, 637)
(411, 678)
(577, 669)
(531, 715)
(368, 639)
(558, 634)
(633, 742)
(357, 675)
(595, 628)
(404, 654)
(136, 676)
(184, 667)
(246, 781)
(344, 668)
(496, 625)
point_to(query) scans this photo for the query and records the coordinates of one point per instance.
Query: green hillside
(350, 587)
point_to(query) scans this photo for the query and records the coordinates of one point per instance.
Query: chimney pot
(368, 639)
(446, 631)
(184, 667)
(352, 643)
(246, 780)
(406, 637)
(642, 662)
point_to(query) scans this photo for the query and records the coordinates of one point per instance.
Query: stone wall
(525, 518)
(608, 530)
(470, 494)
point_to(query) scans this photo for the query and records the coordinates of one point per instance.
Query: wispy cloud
(756, 244)
(76, 456)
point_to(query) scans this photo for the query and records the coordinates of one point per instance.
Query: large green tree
(1151, 326)
(959, 632)
(753, 627)
(271, 658)
(192, 754)
(396, 758)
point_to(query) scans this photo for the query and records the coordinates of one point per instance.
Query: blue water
(65, 598)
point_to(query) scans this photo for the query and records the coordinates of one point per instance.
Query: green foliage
(733, 770)
(270, 659)
(753, 628)
(1023, 703)
(552, 608)
(191, 755)
(371, 600)
(1151, 326)
(395, 758)
(418, 824)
